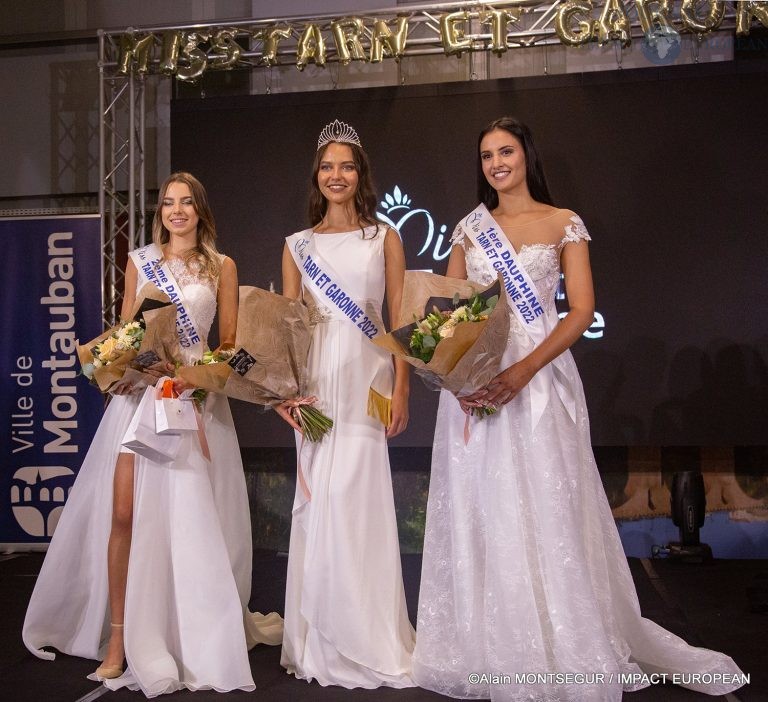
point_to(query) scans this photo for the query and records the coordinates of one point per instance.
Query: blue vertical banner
(51, 298)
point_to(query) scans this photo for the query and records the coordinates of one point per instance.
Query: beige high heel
(108, 672)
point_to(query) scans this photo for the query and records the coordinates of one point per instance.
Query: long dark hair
(365, 195)
(205, 253)
(534, 171)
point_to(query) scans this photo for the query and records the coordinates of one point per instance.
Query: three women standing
(523, 570)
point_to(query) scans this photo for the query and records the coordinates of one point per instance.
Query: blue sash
(148, 263)
(329, 289)
(522, 295)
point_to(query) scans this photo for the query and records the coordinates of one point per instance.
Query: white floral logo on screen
(397, 212)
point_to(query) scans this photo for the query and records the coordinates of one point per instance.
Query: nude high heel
(109, 672)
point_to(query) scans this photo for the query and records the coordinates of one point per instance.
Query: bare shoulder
(573, 230)
(562, 213)
(392, 237)
(228, 266)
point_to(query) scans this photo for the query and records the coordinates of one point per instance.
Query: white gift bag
(141, 436)
(175, 415)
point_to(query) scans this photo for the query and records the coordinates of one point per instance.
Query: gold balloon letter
(194, 55)
(169, 59)
(712, 21)
(452, 37)
(136, 49)
(346, 34)
(745, 11)
(384, 39)
(227, 51)
(311, 47)
(499, 19)
(272, 37)
(565, 14)
(614, 24)
(652, 19)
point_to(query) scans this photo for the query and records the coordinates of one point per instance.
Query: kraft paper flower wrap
(157, 317)
(469, 358)
(270, 359)
(269, 364)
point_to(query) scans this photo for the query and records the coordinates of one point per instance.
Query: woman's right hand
(285, 409)
(468, 405)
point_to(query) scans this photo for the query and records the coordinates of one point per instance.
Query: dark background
(667, 168)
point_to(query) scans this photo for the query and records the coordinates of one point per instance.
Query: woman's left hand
(180, 385)
(506, 384)
(399, 414)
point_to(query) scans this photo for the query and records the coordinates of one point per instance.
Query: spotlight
(689, 505)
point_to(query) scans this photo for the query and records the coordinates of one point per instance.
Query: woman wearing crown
(345, 614)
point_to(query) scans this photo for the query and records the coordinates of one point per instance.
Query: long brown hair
(534, 170)
(205, 255)
(365, 195)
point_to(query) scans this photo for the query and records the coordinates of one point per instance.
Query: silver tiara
(338, 131)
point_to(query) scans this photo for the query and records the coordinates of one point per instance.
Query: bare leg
(117, 555)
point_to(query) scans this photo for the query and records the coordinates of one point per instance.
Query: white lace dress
(523, 570)
(189, 571)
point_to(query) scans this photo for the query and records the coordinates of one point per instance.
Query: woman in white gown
(151, 563)
(523, 571)
(345, 614)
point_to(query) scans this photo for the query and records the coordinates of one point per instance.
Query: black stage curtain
(666, 166)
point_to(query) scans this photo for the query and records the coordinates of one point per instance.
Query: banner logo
(50, 413)
(38, 494)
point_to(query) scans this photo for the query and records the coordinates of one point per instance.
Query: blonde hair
(204, 257)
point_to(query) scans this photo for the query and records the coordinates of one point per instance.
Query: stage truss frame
(122, 103)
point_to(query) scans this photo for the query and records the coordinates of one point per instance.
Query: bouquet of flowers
(115, 348)
(458, 345)
(439, 325)
(209, 357)
(125, 350)
(269, 364)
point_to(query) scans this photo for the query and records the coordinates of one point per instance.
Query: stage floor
(706, 604)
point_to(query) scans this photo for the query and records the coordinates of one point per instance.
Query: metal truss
(122, 191)
(122, 196)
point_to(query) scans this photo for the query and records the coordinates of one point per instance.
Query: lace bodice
(541, 261)
(199, 294)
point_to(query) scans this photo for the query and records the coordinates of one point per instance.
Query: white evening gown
(189, 573)
(523, 570)
(345, 614)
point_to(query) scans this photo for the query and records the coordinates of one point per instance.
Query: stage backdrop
(666, 167)
(50, 271)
